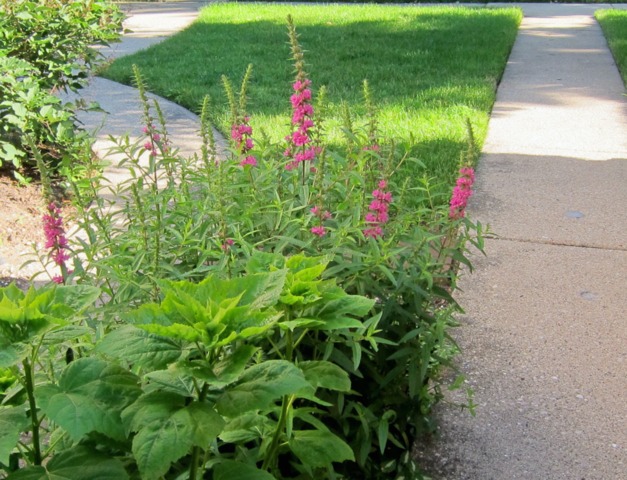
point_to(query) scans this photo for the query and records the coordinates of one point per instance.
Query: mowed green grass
(429, 68)
(614, 25)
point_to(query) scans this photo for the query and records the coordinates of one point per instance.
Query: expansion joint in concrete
(561, 244)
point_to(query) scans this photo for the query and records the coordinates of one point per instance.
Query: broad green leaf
(260, 385)
(306, 268)
(261, 262)
(232, 470)
(247, 427)
(65, 333)
(79, 463)
(11, 354)
(76, 297)
(26, 315)
(140, 348)
(171, 380)
(13, 422)
(259, 290)
(319, 449)
(326, 375)
(90, 395)
(231, 368)
(167, 429)
(300, 323)
(355, 305)
(339, 323)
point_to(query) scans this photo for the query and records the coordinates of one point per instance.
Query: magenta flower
(154, 142)
(378, 211)
(56, 241)
(319, 230)
(299, 148)
(228, 243)
(321, 216)
(249, 160)
(461, 193)
(241, 136)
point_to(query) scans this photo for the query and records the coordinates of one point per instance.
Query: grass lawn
(614, 25)
(429, 68)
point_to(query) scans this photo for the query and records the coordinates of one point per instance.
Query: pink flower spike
(148, 146)
(319, 230)
(315, 210)
(249, 160)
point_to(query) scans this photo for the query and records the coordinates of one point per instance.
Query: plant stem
(193, 468)
(271, 457)
(30, 391)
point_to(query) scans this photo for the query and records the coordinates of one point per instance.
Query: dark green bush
(46, 47)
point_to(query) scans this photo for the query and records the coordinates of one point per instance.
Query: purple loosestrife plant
(300, 148)
(241, 134)
(378, 214)
(321, 215)
(461, 193)
(56, 241)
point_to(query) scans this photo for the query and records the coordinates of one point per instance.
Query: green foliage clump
(46, 47)
(278, 311)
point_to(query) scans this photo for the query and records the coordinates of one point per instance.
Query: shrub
(46, 47)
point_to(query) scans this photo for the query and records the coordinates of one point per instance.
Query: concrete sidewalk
(544, 337)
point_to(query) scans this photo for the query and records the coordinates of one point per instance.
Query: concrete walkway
(544, 337)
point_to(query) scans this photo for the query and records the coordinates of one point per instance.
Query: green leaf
(326, 375)
(232, 470)
(140, 348)
(354, 305)
(167, 429)
(259, 290)
(79, 463)
(231, 368)
(63, 334)
(76, 297)
(11, 354)
(89, 397)
(13, 421)
(171, 380)
(319, 449)
(300, 323)
(260, 385)
(247, 427)
(383, 429)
